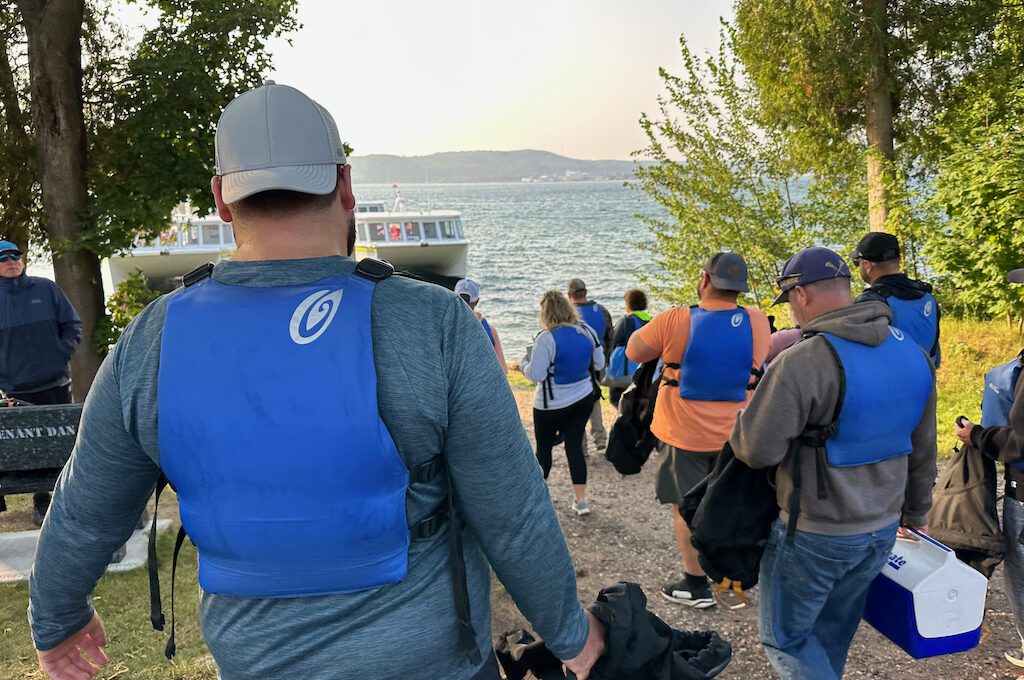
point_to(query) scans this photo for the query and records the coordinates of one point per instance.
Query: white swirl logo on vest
(896, 333)
(928, 308)
(737, 319)
(314, 315)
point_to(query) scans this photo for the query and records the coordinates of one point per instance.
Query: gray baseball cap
(1015, 276)
(727, 271)
(275, 137)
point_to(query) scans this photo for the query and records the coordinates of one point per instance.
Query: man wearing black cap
(848, 417)
(914, 309)
(39, 331)
(597, 317)
(1001, 437)
(712, 353)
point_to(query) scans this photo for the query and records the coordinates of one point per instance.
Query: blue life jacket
(487, 329)
(719, 356)
(885, 391)
(591, 315)
(288, 481)
(920, 320)
(574, 354)
(618, 364)
(997, 399)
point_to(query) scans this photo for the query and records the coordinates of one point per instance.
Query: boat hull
(446, 259)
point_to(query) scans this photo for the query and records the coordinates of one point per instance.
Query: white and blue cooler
(926, 600)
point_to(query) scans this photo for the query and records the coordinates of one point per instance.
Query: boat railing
(405, 231)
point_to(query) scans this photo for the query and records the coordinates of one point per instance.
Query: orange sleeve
(668, 332)
(762, 332)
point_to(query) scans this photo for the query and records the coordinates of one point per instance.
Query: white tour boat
(428, 243)
(431, 243)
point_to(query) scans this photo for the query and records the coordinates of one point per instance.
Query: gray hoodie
(801, 388)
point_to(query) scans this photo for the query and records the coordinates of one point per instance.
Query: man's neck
(289, 239)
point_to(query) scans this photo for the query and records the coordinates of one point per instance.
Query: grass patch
(136, 651)
(969, 349)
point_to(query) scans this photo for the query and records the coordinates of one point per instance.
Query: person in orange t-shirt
(712, 352)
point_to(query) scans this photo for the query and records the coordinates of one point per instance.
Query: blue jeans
(812, 598)
(1013, 562)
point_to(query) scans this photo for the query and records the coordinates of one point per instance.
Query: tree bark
(878, 107)
(54, 29)
(16, 215)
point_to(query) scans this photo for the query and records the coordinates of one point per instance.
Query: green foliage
(151, 145)
(810, 60)
(129, 298)
(726, 181)
(980, 187)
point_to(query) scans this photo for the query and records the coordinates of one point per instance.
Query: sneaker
(680, 593)
(581, 507)
(1015, 656)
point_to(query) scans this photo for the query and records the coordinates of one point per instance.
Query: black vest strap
(156, 612)
(374, 270)
(460, 588)
(171, 648)
(203, 271)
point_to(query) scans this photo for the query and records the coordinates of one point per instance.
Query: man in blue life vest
(320, 423)
(469, 291)
(712, 354)
(848, 417)
(597, 317)
(1001, 437)
(914, 308)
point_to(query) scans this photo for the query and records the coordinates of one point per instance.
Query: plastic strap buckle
(374, 270)
(426, 472)
(429, 525)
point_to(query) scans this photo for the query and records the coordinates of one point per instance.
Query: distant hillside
(483, 166)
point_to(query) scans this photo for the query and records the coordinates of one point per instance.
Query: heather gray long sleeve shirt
(801, 388)
(440, 391)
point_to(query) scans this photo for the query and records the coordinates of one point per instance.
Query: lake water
(528, 238)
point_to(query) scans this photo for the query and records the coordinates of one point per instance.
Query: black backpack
(630, 441)
(730, 515)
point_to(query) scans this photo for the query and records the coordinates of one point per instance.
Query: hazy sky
(414, 77)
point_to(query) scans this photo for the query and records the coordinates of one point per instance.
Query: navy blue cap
(7, 247)
(808, 266)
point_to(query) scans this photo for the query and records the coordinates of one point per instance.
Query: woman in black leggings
(564, 362)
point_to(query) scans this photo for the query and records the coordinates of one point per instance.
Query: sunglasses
(9, 256)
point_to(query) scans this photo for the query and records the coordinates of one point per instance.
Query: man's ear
(348, 199)
(223, 209)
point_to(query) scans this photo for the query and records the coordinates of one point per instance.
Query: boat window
(430, 230)
(395, 231)
(211, 234)
(361, 233)
(412, 231)
(190, 236)
(458, 228)
(169, 237)
(377, 231)
(448, 229)
(227, 234)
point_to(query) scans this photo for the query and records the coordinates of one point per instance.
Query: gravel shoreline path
(629, 537)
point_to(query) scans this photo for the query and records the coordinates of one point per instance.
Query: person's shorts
(680, 471)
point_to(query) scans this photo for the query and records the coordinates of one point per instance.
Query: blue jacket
(39, 331)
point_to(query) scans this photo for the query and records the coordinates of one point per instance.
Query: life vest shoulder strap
(374, 270)
(200, 273)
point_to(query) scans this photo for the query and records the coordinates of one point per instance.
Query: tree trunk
(16, 215)
(878, 108)
(54, 29)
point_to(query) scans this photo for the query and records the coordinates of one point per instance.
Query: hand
(904, 532)
(582, 664)
(66, 660)
(963, 429)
